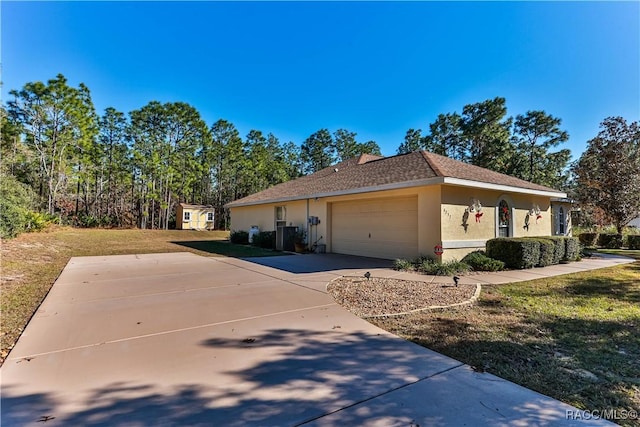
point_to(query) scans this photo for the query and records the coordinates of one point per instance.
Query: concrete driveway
(179, 339)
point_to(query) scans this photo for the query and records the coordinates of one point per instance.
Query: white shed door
(378, 228)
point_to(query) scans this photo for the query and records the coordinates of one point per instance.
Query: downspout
(308, 226)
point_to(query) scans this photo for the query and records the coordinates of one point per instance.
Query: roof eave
(501, 187)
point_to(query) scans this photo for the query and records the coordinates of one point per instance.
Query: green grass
(574, 337)
(32, 262)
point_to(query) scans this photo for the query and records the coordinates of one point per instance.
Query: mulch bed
(385, 296)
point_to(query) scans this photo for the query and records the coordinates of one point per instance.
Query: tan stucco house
(405, 206)
(194, 217)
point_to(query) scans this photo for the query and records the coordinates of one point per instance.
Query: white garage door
(379, 228)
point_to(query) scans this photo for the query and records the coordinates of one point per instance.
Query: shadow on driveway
(312, 374)
(317, 263)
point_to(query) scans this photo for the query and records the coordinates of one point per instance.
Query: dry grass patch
(575, 337)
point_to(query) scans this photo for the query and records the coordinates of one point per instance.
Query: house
(194, 217)
(404, 206)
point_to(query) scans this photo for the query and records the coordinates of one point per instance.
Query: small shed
(194, 217)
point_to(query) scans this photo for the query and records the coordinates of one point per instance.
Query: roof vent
(335, 170)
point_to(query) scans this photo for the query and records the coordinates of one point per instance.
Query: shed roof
(367, 173)
(189, 206)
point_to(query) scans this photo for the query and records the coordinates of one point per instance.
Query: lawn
(32, 262)
(575, 337)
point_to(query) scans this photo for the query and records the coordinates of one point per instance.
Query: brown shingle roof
(368, 172)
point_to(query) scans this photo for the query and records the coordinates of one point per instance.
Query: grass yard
(32, 262)
(575, 337)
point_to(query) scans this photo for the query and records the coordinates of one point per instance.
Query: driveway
(179, 339)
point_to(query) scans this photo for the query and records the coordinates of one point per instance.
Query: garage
(379, 228)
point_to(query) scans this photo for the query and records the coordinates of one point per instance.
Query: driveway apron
(179, 339)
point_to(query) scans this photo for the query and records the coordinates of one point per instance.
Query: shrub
(634, 241)
(37, 221)
(265, 239)
(514, 252)
(572, 249)
(588, 239)
(479, 261)
(402, 265)
(449, 268)
(559, 248)
(16, 201)
(610, 241)
(548, 251)
(239, 237)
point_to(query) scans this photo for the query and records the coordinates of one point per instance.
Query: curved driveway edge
(178, 339)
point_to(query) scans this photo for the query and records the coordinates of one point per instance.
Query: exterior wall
(264, 216)
(460, 237)
(441, 211)
(555, 222)
(242, 218)
(198, 219)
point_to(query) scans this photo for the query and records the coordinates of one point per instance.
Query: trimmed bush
(634, 241)
(514, 252)
(239, 237)
(610, 241)
(572, 249)
(547, 252)
(559, 250)
(265, 239)
(402, 265)
(588, 239)
(479, 261)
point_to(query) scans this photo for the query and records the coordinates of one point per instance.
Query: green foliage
(610, 241)
(534, 134)
(479, 261)
(607, 174)
(401, 264)
(448, 268)
(482, 136)
(515, 252)
(16, 201)
(559, 249)
(588, 239)
(547, 251)
(633, 241)
(239, 237)
(265, 239)
(572, 249)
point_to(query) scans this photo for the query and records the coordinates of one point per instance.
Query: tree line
(59, 156)
(132, 170)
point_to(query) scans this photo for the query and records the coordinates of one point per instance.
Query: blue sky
(375, 68)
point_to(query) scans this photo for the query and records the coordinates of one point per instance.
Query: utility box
(285, 237)
(252, 232)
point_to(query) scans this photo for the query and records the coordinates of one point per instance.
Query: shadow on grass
(225, 248)
(622, 290)
(589, 363)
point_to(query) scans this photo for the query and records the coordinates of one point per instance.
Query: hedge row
(633, 241)
(608, 240)
(528, 252)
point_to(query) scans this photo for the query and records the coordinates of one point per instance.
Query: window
(209, 216)
(281, 216)
(186, 216)
(504, 219)
(561, 222)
